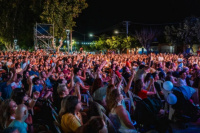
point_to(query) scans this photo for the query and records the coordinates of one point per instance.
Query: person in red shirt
(198, 51)
(117, 72)
(128, 64)
(140, 91)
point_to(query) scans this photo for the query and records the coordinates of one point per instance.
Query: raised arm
(30, 87)
(51, 70)
(126, 89)
(13, 76)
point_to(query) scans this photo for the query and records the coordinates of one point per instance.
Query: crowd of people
(91, 93)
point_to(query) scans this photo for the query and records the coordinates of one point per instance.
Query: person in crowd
(5, 86)
(71, 118)
(94, 125)
(21, 114)
(11, 130)
(7, 113)
(139, 89)
(34, 71)
(118, 114)
(141, 71)
(182, 80)
(79, 79)
(18, 82)
(126, 73)
(158, 85)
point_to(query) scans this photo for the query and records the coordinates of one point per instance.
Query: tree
(101, 43)
(145, 37)
(171, 35)
(62, 15)
(18, 17)
(188, 31)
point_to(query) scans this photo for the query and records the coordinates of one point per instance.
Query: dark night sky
(102, 14)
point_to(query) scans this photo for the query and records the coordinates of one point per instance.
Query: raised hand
(36, 95)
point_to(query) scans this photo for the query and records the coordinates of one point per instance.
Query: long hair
(96, 85)
(147, 78)
(108, 91)
(68, 105)
(112, 101)
(4, 113)
(94, 125)
(138, 86)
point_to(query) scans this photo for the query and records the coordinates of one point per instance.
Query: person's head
(138, 86)
(17, 65)
(77, 71)
(11, 130)
(161, 75)
(168, 64)
(186, 69)
(41, 67)
(19, 96)
(19, 77)
(43, 74)
(25, 74)
(195, 66)
(125, 69)
(66, 67)
(36, 81)
(182, 74)
(147, 78)
(98, 83)
(7, 108)
(114, 98)
(95, 125)
(169, 73)
(58, 69)
(21, 112)
(71, 105)
(159, 65)
(62, 90)
(141, 66)
(35, 68)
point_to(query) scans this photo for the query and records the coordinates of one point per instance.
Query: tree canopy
(18, 17)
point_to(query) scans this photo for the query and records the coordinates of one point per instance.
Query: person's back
(20, 117)
(5, 90)
(20, 125)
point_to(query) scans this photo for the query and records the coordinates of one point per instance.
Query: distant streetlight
(92, 35)
(116, 32)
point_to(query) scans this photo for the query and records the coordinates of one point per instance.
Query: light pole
(15, 43)
(68, 32)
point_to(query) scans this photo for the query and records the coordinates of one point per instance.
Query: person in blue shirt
(20, 116)
(5, 86)
(37, 86)
(34, 71)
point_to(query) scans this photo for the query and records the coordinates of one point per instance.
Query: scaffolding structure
(43, 36)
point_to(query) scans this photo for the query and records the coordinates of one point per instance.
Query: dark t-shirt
(157, 86)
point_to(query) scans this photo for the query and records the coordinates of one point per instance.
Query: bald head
(21, 112)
